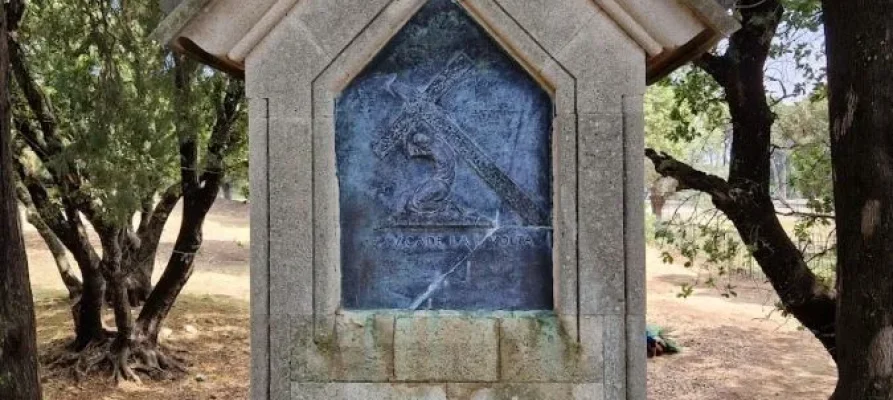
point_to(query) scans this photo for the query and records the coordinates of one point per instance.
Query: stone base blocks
(371, 355)
(452, 391)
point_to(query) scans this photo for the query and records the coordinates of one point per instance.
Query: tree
(115, 132)
(860, 86)
(802, 134)
(744, 197)
(18, 339)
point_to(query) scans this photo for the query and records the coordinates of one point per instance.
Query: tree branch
(222, 136)
(65, 221)
(715, 66)
(37, 101)
(688, 177)
(795, 213)
(158, 216)
(54, 244)
(185, 125)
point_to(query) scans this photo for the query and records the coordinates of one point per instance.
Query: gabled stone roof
(221, 33)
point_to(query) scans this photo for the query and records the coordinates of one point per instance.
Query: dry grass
(733, 348)
(217, 353)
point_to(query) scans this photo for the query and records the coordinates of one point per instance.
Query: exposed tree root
(123, 362)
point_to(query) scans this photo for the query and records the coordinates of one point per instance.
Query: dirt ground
(733, 348)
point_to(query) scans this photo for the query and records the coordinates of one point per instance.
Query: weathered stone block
(359, 348)
(334, 23)
(290, 261)
(565, 153)
(552, 26)
(365, 351)
(521, 391)
(615, 356)
(636, 360)
(326, 235)
(310, 359)
(634, 137)
(446, 349)
(283, 67)
(260, 269)
(601, 85)
(601, 245)
(366, 391)
(291, 238)
(545, 349)
(564, 87)
(501, 26)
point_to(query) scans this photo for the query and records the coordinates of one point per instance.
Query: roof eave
(177, 20)
(719, 26)
(715, 17)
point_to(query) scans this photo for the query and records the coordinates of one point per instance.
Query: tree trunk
(662, 189)
(88, 326)
(179, 268)
(61, 216)
(19, 377)
(54, 245)
(657, 205)
(860, 75)
(745, 197)
(753, 214)
(141, 265)
(227, 191)
(60, 255)
(139, 281)
(125, 343)
(199, 194)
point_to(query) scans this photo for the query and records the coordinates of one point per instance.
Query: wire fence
(704, 239)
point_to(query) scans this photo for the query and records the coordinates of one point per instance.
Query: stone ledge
(393, 347)
(446, 349)
(547, 350)
(452, 391)
(366, 391)
(512, 391)
(359, 348)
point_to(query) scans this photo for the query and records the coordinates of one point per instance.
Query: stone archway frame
(596, 76)
(350, 62)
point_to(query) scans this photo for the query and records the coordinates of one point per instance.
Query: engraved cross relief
(426, 131)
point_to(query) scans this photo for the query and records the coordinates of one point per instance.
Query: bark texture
(860, 83)
(745, 197)
(19, 377)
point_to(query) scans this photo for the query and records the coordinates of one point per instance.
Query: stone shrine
(447, 195)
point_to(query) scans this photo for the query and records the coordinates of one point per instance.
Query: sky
(785, 72)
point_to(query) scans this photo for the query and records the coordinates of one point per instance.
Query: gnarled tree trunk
(18, 339)
(860, 83)
(136, 342)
